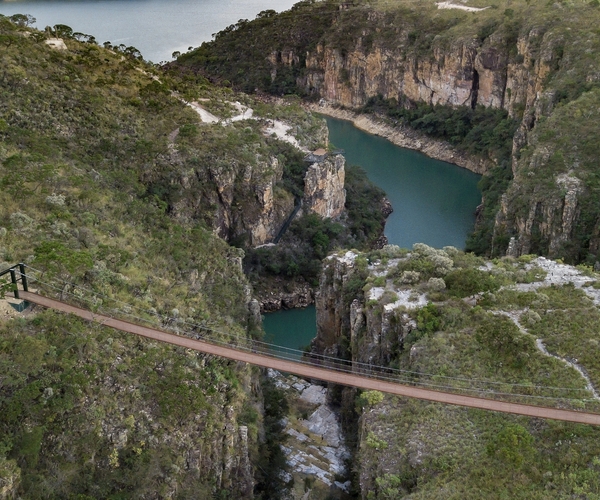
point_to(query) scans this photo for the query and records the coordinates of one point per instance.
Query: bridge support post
(13, 279)
(23, 277)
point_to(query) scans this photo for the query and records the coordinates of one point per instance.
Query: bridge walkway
(317, 372)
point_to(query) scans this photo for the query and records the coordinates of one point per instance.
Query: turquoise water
(294, 328)
(155, 27)
(434, 202)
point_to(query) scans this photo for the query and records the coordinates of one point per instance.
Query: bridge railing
(17, 274)
(460, 384)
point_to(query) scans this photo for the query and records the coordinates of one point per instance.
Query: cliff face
(550, 206)
(527, 60)
(440, 319)
(373, 334)
(502, 71)
(324, 192)
(246, 200)
(466, 72)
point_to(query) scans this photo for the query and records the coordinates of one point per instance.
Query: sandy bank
(407, 138)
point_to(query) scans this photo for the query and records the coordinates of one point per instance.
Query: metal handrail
(13, 277)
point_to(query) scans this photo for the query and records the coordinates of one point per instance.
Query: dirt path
(303, 370)
(450, 5)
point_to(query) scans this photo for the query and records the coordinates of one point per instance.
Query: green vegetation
(91, 411)
(269, 32)
(271, 461)
(311, 238)
(476, 336)
(109, 192)
(487, 132)
(568, 139)
(553, 44)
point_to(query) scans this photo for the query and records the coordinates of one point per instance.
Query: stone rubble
(317, 449)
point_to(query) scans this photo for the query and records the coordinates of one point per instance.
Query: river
(157, 28)
(434, 203)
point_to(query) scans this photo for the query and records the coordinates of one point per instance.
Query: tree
(22, 20)
(57, 258)
(62, 31)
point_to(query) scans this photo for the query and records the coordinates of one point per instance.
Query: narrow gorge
(496, 85)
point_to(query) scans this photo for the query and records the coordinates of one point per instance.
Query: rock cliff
(528, 60)
(452, 321)
(510, 71)
(247, 200)
(324, 192)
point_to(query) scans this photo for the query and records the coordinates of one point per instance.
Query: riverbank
(405, 137)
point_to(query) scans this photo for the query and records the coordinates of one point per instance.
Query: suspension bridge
(321, 368)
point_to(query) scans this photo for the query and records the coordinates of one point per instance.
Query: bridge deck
(315, 372)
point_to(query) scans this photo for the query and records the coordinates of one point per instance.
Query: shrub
(436, 284)
(513, 445)
(467, 282)
(368, 399)
(410, 277)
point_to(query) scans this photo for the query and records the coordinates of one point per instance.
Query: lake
(434, 202)
(157, 28)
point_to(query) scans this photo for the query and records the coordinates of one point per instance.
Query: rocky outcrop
(503, 70)
(332, 313)
(374, 327)
(324, 192)
(401, 441)
(247, 202)
(314, 447)
(10, 477)
(551, 219)
(284, 294)
(467, 72)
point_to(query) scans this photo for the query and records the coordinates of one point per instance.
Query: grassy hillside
(479, 333)
(93, 144)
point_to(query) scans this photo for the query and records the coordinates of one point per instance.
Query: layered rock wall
(324, 192)
(371, 334)
(503, 71)
(467, 72)
(247, 201)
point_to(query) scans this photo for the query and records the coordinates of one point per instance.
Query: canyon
(534, 64)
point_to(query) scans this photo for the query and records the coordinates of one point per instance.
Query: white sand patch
(152, 77)
(56, 43)
(276, 127)
(375, 293)
(559, 274)
(408, 299)
(348, 258)
(245, 113)
(205, 116)
(450, 5)
(281, 130)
